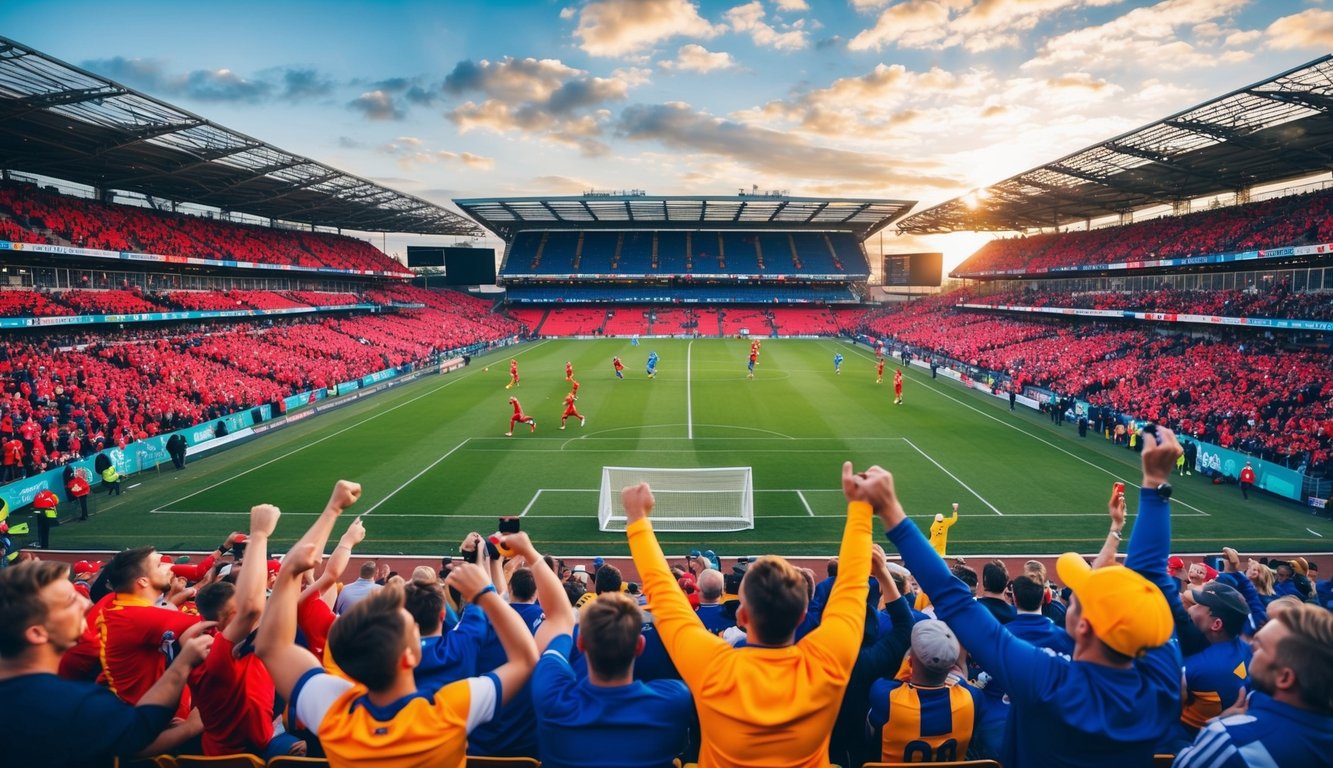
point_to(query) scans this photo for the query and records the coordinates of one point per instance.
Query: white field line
(940, 391)
(689, 399)
(967, 487)
(801, 496)
(1320, 535)
(295, 451)
(413, 479)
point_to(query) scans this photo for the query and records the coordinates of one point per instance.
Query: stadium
(197, 321)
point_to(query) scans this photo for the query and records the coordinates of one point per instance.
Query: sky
(914, 99)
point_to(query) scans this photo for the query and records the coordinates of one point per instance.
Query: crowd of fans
(1248, 393)
(1277, 303)
(506, 652)
(36, 215)
(64, 399)
(1279, 222)
(133, 300)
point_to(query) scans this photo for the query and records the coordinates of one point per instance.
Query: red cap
(87, 566)
(168, 559)
(82, 589)
(1210, 570)
(274, 566)
(240, 539)
(1174, 563)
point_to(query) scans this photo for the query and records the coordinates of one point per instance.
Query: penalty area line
(956, 479)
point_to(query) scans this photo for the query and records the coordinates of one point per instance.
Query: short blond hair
(775, 598)
(610, 626)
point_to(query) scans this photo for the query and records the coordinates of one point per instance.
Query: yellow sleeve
(949, 521)
(839, 632)
(690, 646)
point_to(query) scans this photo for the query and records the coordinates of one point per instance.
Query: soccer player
(513, 374)
(879, 371)
(574, 388)
(652, 365)
(754, 357)
(897, 386)
(375, 715)
(837, 363)
(569, 371)
(570, 410)
(939, 531)
(519, 417)
(619, 366)
(773, 702)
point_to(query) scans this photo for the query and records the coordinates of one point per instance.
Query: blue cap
(710, 554)
(694, 553)
(598, 562)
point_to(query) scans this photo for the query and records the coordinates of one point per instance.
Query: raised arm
(559, 614)
(690, 646)
(1116, 509)
(843, 619)
(254, 574)
(276, 642)
(474, 584)
(337, 563)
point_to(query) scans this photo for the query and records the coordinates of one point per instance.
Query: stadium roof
(1276, 130)
(507, 216)
(60, 121)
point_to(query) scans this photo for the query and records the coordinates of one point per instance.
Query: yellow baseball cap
(1126, 611)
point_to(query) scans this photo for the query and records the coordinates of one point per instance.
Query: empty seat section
(813, 251)
(736, 319)
(741, 256)
(776, 249)
(558, 253)
(671, 254)
(627, 321)
(848, 252)
(636, 253)
(570, 321)
(598, 256)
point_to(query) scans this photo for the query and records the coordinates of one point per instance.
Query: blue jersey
(1064, 712)
(581, 725)
(452, 655)
(1267, 733)
(510, 733)
(837, 360)
(1213, 679)
(652, 362)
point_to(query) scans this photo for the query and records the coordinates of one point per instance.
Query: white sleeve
(313, 696)
(484, 700)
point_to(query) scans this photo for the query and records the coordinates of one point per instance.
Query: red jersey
(314, 617)
(84, 660)
(575, 384)
(1247, 475)
(569, 401)
(898, 379)
(754, 356)
(513, 368)
(518, 408)
(879, 368)
(235, 700)
(569, 370)
(619, 366)
(135, 635)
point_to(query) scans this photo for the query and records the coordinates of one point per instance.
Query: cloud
(1312, 28)
(347, 142)
(1165, 36)
(792, 5)
(540, 97)
(750, 18)
(411, 152)
(976, 26)
(219, 85)
(376, 105)
(696, 58)
(780, 154)
(613, 28)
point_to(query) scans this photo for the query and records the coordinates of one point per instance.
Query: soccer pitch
(434, 463)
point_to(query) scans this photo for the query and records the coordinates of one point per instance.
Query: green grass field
(434, 464)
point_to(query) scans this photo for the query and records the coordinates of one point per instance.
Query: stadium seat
(292, 761)
(474, 761)
(239, 760)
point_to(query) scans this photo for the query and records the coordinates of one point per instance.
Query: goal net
(700, 499)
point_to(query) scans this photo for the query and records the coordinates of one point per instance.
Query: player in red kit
(619, 366)
(574, 384)
(513, 374)
(519, 418)
(569, 371)
(898, 386)
(570, 410)
(879, 371)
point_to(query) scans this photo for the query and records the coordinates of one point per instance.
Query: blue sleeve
(1028, 673)
(1149, 547)
(1212, 748)
(121, 729)
(884, 657)
(552, 674)
(1258, 611)
(879, 702)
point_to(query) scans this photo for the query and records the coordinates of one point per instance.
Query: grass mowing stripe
(428, 468)
(966, 487)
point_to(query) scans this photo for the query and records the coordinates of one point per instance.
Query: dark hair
(774, 595)
(212, 598)
(128, 565)
(21, 603)
(1028, 594)
(610, 627)
(966, 575)
(994, 578)
(367, 640)
(574, 590)
(608, 579)
(368, 569)
(425, 601)
(522, 585)
(832, 567)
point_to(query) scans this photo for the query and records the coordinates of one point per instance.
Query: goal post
(700, 499)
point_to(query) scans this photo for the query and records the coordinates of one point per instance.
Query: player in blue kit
(652, 365)
(837, 363)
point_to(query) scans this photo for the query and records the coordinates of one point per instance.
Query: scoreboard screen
(462, 266)
(913, 269)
